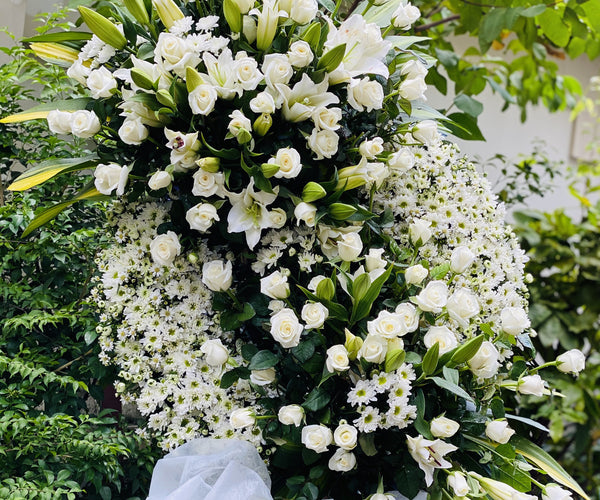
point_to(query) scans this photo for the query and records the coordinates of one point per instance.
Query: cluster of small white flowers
(158, 327)
(382, 401)
(438, 198)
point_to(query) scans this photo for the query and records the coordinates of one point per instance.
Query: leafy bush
(51, 444)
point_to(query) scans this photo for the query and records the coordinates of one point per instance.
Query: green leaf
(47, 169)
(303, 351)
(328, 4)
(332, 59)
(438, 272)
(468, 105)
(465, 352)
(453, 388)
(430, 360)
(362, 307)
(491, 26)
(263, 360)
(533, 11)
(539, 457)
(63, 36)
(393, 359)
(317, 399)
(463, 126)
(553, 26)
(90, 193)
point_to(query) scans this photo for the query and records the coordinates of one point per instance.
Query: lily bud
(55, 53)
(341, 211)
(269, 169)
(209, 164)
(192, 78)
(168, 12)
(233, 15)
(325, 289)
(142, 79)
(313, 192)
(103, 28)
(267, 26)
(262, 124)
(138, 10)
(165, 98)
(352, 344)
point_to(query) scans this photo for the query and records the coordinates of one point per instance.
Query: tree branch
(425, 27)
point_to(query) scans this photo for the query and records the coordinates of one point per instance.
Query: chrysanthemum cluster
(157, 325)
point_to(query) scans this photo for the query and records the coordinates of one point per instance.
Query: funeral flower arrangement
(299, 259)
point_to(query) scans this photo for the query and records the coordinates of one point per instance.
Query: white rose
(207, 183)
(349, 246)
(458, 483)
(337, 359)
(443, 336)
(433, 297)
(262, 377)
(317, 437)
(342, 461)
(101, 83)
(374, 259)
(555, 492)
(175, 53)
(242, 417)
(462, 306)
(327, 118)
(85, 124)
(314, 314)
(289, 162)
(78, 71)
(442, 427)
(374, 349)
(426, 132)
(412, 89)
(160, 180)
(107, 177)
(572, 361)
(514, 320)
(164, 248)
(202, 99)
(300, 55)
(413, 69)
(277, 69)
(304, 11)
(409, 315)
(263, 103)
(365, 94)
(405, 15)
(376, 173)
(201, 216)
(285, 328)
(291, 415)
(531, 384)
(238, 123)
(419, 231)
(403, 159)
(278, 218)
(388, 325)
(247, 73)
(462, 257)
(485, 362)
(306, 212)
(345, 436)
(59, 122)
(244, 5)
(370, 149)
(276, 305)
(324, 143)
(498, 431)
(216, 353)
(217, 275)
(275, 286)
(133, 131)
(382, 496)
(415, 274)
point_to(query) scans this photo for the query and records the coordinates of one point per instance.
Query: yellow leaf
(48, 169)
(55, 53)
(41, 111)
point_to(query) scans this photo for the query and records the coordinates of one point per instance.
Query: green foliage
(565, 265)
(51, 444)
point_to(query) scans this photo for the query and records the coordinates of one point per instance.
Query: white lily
(221, 74)
(249, 213)
(300, 102)
(429, 455)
